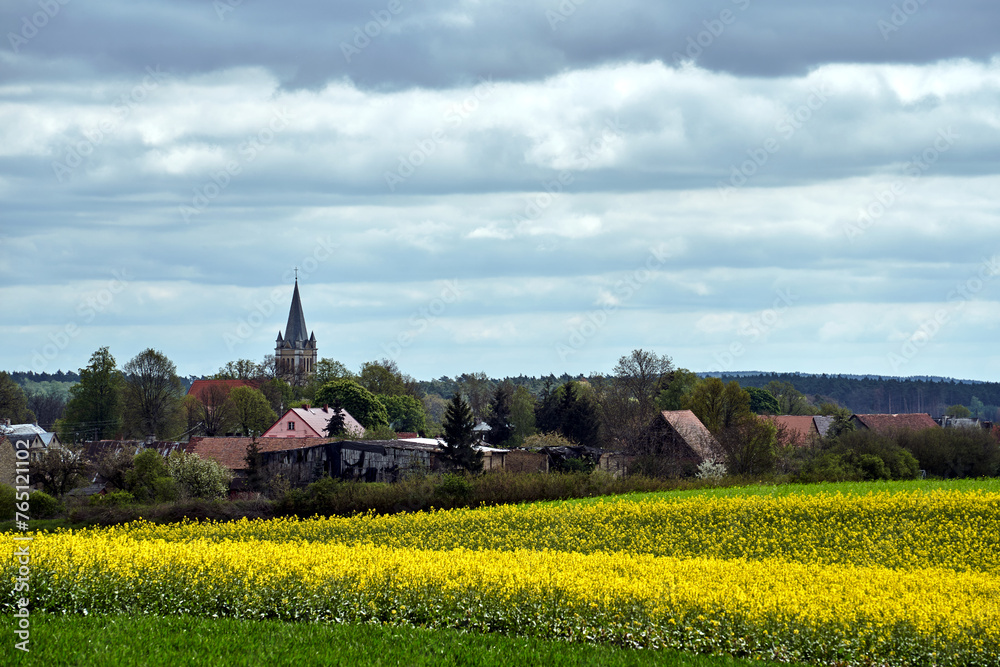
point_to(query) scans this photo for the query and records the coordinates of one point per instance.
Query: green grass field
(154, 641)
(990, 484)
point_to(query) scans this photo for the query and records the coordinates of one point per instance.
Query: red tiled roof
(200, 386)
(800, 429)
(914, 421)
(694, 433)
(231, 452)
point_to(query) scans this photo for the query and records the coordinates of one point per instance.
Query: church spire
(295, 330)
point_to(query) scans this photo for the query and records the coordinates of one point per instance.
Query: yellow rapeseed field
(887, 578)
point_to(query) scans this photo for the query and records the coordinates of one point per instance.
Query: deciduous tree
(13, 402)
(251, 411)
(358, 401)
(151, 395)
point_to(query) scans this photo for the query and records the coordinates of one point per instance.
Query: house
(677, 443)
(310, 422)
(887, 424)
(797, 430)
(39, 440)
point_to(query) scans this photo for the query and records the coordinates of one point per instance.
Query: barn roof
(692, 431)
(914, 421)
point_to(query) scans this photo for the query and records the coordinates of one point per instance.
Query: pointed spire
(296, 329)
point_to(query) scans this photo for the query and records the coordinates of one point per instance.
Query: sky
(514, 187)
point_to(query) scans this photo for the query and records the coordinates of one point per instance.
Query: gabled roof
(295, 329)
(800, 429)
(231, 452)
(198, 387)
(914, 421)
(317, 420)
(692, 431)
(823, 423)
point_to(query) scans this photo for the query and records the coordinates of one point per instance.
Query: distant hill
(880, 394)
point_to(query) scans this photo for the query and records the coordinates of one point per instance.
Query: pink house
(310, 422)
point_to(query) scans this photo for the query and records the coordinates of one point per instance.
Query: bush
(44, 506)
(112, 499)
(954, 452)
(197, 477)
(454, 487)
(7, 498)
(859, 456)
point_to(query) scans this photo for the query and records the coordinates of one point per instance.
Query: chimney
(326, 407)
(306, 406)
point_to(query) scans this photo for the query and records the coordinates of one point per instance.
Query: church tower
(295, 355)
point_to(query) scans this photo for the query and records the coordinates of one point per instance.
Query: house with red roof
(887, 424)
(798, 430)
(310, 422)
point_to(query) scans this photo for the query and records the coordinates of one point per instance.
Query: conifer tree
(458, 451)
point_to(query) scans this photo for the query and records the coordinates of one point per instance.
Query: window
(291, 426)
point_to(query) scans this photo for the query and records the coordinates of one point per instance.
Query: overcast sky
(517, 187)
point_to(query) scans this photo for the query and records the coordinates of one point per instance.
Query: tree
(499, 420)
(13, 402)
(212, 409)
(95, 405)
(383, 378)
(148, 479)
(679, 384)
(278, 394)
(628, 399)
(251, 411)
(241, 369)
(405, 413)
(719, 405)
(48, 407)
(151, 394)
(476, 386)
(570, 411)
(59, 470)
(336, 426)
(198, 477)
(762, 402)
(254, 461)
(522, 416)
(791, 401)
(458, 451)
(959, 411)
(749, 445)
(358, 401)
